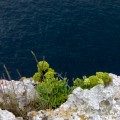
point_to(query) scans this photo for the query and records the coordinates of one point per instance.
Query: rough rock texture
(40, 115)
(24, 91)
(99, 103)
(5, 115)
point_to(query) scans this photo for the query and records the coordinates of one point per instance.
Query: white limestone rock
(98, 103)
(40, 115)
(24, 91)
(19, 118)
(6, 115)
(59, 119)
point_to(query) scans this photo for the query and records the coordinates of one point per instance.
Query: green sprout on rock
(105, 77)
(52, 90)
(42, 66)
(37, 76)
(44, 71)
(89, 82)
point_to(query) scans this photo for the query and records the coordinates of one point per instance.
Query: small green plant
(105, 77)
(42, 66)
(44, 71)
(90, 82)
(52, 90)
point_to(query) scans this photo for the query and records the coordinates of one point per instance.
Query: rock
(23, 91)
(6, 115)
(40, 115)
(58, 119)
(19, 118)
(98, 103)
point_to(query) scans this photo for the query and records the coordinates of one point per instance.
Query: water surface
(79, 37)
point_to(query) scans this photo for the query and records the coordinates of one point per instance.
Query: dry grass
(11, 103)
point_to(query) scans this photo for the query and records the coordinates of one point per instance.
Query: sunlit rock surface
(6, 115)
(24, 91)
(99, 103)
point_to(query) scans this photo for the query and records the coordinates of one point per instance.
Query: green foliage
(49, 74)
(44, 71)
(88, 83)
(104, 76)
(42, 66)
(37, 76)
(53, 91)
(76, 83)
(93, 80)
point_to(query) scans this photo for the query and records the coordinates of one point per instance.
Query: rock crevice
(98, 103)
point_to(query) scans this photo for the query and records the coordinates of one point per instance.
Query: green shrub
(90, 82)
(76, 83)
(44, 71)
(42, 66)
(53, 91)
(105, 77)
(37, 76)
(49, 74)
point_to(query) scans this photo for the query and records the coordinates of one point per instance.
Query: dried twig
(34, 56)
(19, 73)
(7, 72)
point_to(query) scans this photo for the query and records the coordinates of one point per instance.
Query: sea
(76, 37)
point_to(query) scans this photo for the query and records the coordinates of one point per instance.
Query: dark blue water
(79, 37)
